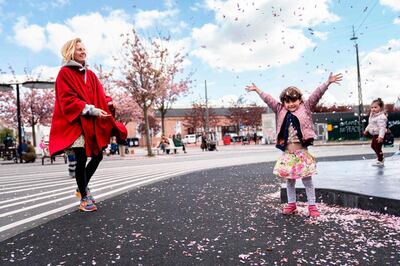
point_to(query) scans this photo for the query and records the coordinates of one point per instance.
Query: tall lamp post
(26, 84)
(207, 112)
(360, 100)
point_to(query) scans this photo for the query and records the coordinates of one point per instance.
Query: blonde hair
(68, 49)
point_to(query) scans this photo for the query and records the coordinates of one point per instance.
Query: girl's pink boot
(289, 209)
(313, 211)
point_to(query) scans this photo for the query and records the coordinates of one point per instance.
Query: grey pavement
(361, 176)
(195, 208)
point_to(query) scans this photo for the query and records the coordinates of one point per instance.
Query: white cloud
(322, 35)
(394, 4)
(148, 19)
(101, 34)
(169, 4)
(42, 72)
(60, 3)
(224, 101)
(396, 21)
(30, 36)
(253, 35)
(46, 73)
(197, 6)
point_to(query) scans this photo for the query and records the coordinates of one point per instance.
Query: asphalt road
(223, 216)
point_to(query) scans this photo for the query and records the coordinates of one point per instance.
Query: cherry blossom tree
(320, 108)
(8, 108)
(37, 108)
(36, 105)
(153, 125)
(144, 70)
(253, 115)
(171, 89)
(196, 118)
(126, 109)
(237, 113)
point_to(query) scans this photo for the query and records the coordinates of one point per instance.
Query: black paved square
(226, 216)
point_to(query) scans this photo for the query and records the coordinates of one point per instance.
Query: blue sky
(273, 43)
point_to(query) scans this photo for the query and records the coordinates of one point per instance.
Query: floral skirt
(295, 165)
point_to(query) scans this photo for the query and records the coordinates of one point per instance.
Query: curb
(349, 199)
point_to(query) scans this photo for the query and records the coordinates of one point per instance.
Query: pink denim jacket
(303, 113)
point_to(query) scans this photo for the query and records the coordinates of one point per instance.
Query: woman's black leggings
(83, 173)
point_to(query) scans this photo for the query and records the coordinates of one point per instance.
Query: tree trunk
(33, 133)
(147, 130)
(162, 111)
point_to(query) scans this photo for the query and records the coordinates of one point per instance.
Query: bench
(155, 149)
(172, 146)
(9, 153)
(46, 155)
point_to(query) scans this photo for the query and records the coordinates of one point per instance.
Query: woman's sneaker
(87, 205)
(88, 194)
(313, 211)
(289, 209)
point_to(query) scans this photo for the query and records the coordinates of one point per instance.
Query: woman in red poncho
(81, 121)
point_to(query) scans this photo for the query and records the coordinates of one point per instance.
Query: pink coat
(303, 113)
(377, 124)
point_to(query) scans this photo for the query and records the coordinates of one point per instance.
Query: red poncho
(72, 94)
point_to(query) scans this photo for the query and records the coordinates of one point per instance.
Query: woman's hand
(252, 87)
(103, 114)
(334, 78)
(380, 139)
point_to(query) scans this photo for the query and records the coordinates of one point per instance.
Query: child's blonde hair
(291, 94)
(68, 49)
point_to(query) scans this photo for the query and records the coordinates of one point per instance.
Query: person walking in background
(295, 133)
(255, 138)
(377, 128)
(80, 120)
(203, 144)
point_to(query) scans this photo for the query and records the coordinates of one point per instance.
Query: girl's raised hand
(252, 87)
(335, 78)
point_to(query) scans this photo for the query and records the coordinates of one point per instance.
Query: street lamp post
(207, 112)
(28, 84)
(360, 100)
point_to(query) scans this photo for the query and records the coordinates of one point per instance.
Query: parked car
(188, 139)
(234, 136)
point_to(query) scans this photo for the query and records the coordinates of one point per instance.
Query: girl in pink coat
(295, 132)
(377, 128)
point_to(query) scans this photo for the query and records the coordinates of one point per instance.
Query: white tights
(308, 184)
